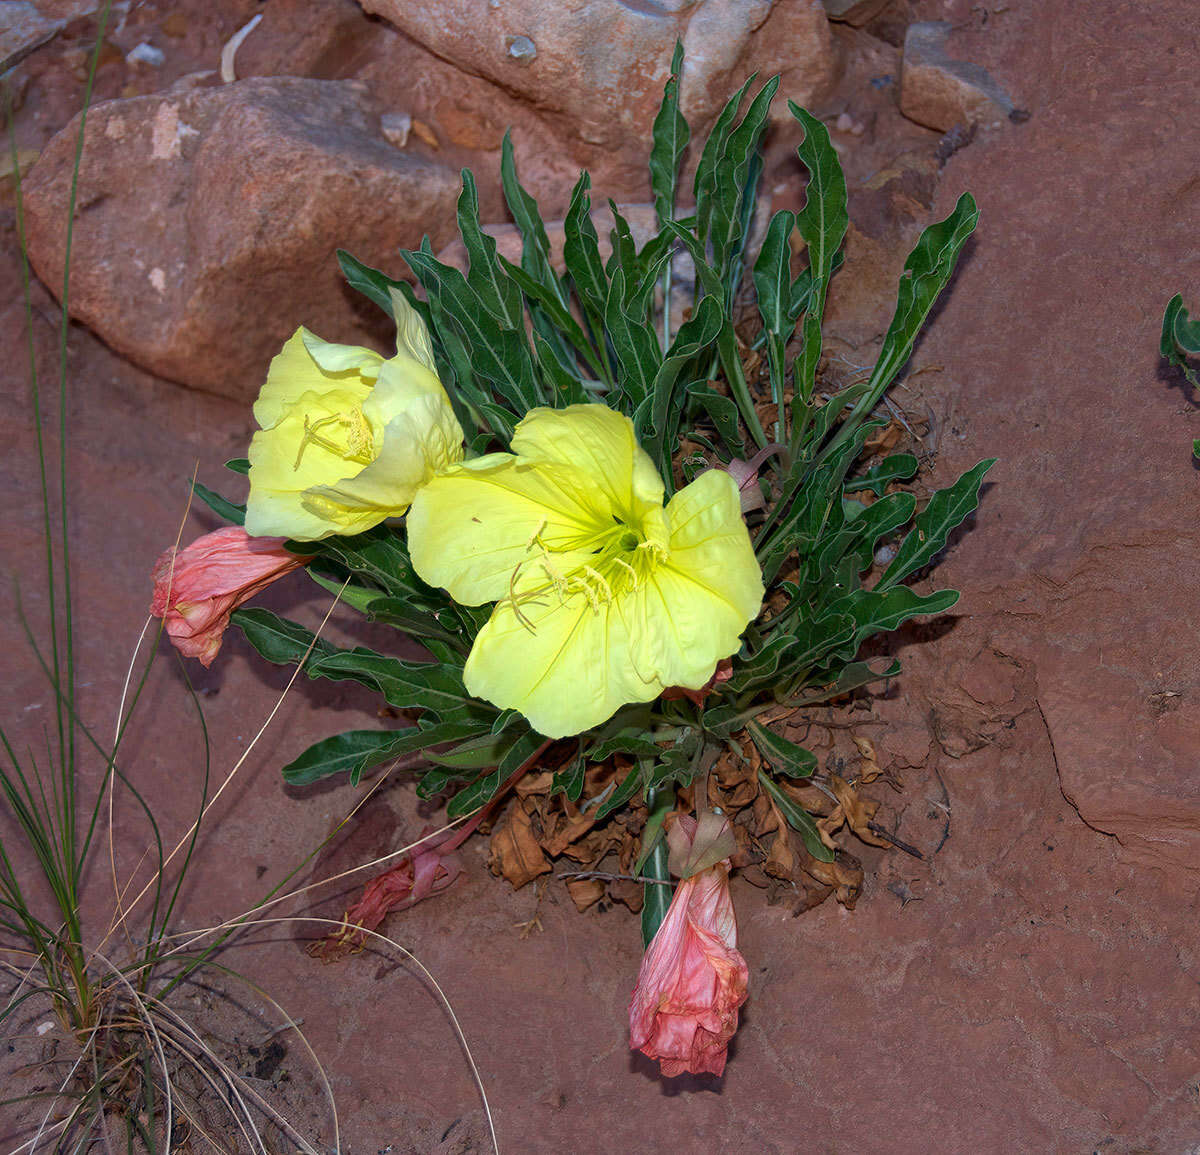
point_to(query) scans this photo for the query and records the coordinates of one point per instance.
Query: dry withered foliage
(597, 859)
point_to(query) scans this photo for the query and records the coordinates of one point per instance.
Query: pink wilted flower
(197, 588)
(693, 979)
(417, 875)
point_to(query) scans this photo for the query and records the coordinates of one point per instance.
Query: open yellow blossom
(603, 596)
(347, 437)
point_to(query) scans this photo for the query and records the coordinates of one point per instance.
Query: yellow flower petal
(347, 437)
(566, 666)
(412, 338)
(603, 597)
(333, 359)
(292, 374)
(601, 443)
(424, 439)
(472, 528)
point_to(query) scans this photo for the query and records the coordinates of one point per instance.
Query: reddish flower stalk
(197, 588)
(692, 980)
(427, 869)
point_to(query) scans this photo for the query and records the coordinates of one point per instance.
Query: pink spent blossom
(692, 980)
(422, 872)
(197, 588)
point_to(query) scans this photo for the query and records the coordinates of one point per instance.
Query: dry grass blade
(121, 916)
(441, 994)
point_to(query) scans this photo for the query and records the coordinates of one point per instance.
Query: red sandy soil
(1033, 985)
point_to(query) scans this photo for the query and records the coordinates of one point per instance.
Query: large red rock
(598, 69)
(207, 221)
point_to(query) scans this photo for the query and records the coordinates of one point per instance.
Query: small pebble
(146, 53)
(395, 127)
(521, 48)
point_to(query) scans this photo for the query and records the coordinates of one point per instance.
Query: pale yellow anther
(626, 566)
(360, 441)
(535, 537)
(599, 578)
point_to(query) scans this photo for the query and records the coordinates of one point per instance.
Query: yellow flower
(347, 438)
(603, 596)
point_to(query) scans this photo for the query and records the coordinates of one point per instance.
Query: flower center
(616, 562)
(347, 435)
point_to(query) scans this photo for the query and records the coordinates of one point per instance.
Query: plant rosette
(619, 579)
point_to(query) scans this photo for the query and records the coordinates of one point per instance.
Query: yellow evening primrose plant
(347, 437)
(584, 593)
(603, 596)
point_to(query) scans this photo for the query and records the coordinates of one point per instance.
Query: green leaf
(556, 311)
(581, 252)
(236, 514)
(1180, 337)
(853, 676)
(373, 284)
(729, 189)
(798, 819)
(696, 335)
(432, 686)
(670, 135)
(877, 611)
(520, 749)
(356, 597)
(723, 413)
(475, 753)
(634, 342)
(657, 896)
(379, 555)
(926, 273)
(898, 467)
(784, 756)
(406, 685)
(947, 509)
(885, 516)
(652, 832)
(497, 353)
(570, 780)
(278, 640)
(496, 290)
(563, 383)
(705, 181)
(356, 751)
(628, 741)
(352, 752)
(238, 465)
(822, 223)
(413, 622)
(535, 248)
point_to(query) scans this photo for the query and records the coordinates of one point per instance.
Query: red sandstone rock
(601, 67)
(207, 221)
(939, 92)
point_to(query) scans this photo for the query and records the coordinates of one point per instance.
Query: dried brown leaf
(585, 892)
(516, 854)
(631, 894)
(844, 875)
(858, 811)
(869, 769)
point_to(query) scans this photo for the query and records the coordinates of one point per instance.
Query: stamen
(536, 535)
(626, 566)
(360, 440)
